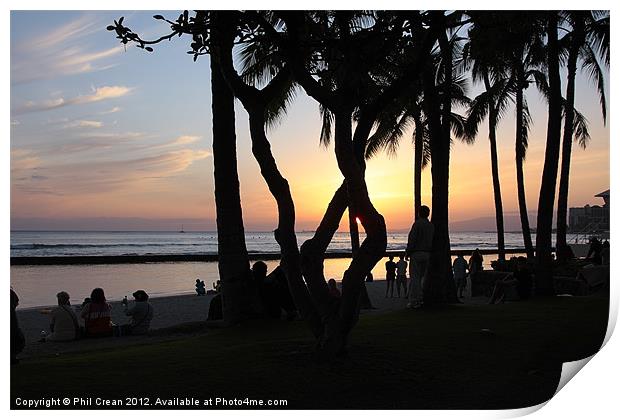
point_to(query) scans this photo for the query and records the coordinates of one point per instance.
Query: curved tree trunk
(418, 147)
(520, 157)
(285, 233)
(546, 199)
(567, 144)
(233, 261)
(497, 193)
(337, 328)
(255, 102)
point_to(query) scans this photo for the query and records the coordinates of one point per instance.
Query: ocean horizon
(38, 285)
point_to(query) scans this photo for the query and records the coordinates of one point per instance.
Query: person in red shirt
(97, 315)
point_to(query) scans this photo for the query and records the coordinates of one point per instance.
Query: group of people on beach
(94, 319)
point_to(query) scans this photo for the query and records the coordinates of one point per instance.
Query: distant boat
(181, 231)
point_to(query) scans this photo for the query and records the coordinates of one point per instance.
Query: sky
(107, 137)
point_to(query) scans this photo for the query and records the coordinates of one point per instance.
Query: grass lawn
(427, 359)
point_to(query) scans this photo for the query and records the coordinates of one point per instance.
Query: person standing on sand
(459, 267)
(401, 274)
(390, 275)
(419, 247)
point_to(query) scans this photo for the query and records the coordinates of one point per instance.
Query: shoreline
(163, 258)
(170, 312)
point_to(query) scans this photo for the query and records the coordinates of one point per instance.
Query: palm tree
(492, 102)
(544, 222)
(587, 39)
(233, 260)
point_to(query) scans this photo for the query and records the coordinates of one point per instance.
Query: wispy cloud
(60, 52)
(98, 94)
(87, 177)
(110, 111)
(183, 140)
(84, 123)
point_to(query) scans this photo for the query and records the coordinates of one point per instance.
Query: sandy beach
(169, 312)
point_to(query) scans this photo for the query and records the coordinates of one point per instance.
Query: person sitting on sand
(273, 291)
(64, 324)
(18, 341)
(200, 287)
(459, 267)
(520, 280)
(97, 315)
(390, 275)
(332, 289)
(141, 314)
(595, 251)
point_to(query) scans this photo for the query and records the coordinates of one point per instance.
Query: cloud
(84, 123)
(183, 140)
(99, 94)
(23, 160)
(99, 176)
(110, 111)
(62, 51)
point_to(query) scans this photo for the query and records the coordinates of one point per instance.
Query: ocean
(38, 285)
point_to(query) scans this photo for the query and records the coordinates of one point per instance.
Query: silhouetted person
(475, 262)
(97, 315)
(565, 252)
(64, 324)
(390, 275)
(283, 293)
(200, 288)
(605, 252)
(459, 268)
(594, 253)
(18, 340)
(520, 280)
(419, 247)
(401, 274)
(273, 291)
(141, 313)
(332, 289)
(369, 278)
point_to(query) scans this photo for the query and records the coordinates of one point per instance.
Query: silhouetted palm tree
(587, 41)
(546, 199)
(491, 70)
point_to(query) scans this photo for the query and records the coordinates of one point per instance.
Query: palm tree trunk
(520, 156)
(285, 233)
(546, 199)
(497, 193)
(567, 144)
(436, 282)
(233, 261)
(373, 247)
(417, 165)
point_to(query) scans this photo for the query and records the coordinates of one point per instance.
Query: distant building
(590, 218)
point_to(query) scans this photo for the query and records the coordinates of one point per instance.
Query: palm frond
(580, 129)
(276, 109)
(327, 119)
(596, 74)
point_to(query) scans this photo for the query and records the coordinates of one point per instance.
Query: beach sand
(170, 311)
